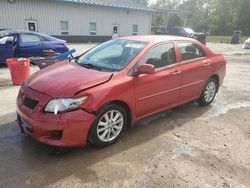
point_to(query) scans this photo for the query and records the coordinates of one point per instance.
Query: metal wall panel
(48, 15)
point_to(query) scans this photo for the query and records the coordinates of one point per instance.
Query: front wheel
(209, 92)
(108, 126)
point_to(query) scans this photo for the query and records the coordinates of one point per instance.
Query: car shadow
(26, 159)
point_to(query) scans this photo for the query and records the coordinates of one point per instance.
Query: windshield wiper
(90, 66)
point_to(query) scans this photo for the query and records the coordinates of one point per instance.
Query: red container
(19, 70)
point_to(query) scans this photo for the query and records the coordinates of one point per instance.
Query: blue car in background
(18, 44)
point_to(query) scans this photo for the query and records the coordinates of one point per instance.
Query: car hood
(65, 79)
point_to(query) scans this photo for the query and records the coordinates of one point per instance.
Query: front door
(6, 48)
(115, 29)
(160, 90)
(30, 45)
(195, 70)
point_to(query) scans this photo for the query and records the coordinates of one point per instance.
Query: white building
(77, 20)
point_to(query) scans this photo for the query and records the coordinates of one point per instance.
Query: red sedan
(98, 94)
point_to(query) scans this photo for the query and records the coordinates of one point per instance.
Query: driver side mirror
(145, 69)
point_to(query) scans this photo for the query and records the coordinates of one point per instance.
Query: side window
(160, 56)
(190, 51)
(28, 38)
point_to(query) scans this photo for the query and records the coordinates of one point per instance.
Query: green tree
(144, 2)
(243, 12)
(162, 18)
(221, 17)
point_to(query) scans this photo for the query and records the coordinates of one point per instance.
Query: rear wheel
(108, 126)
(209, 92)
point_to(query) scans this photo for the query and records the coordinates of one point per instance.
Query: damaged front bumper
(63, 130)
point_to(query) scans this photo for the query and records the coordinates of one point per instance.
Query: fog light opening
(57, 135)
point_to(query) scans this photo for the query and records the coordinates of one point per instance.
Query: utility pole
(185, 21)
(167, 18)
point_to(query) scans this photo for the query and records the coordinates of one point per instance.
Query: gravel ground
(188, 146)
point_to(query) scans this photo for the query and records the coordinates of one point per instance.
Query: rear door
(30, 45)
(160, 90)
(6, 48)
(196, 68)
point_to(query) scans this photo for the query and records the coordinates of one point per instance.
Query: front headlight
(62, 105)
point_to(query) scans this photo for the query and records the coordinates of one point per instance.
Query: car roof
(156, 38)
(176, 28)
(9, 32)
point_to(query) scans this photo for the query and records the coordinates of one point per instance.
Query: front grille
(30, 103)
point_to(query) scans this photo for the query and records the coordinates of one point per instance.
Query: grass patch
(224, 39)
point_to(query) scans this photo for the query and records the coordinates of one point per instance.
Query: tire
(209, 92)
(111, 121)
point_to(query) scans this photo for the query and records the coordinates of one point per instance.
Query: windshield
(113, 55)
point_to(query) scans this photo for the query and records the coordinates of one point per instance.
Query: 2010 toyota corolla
(96, 96)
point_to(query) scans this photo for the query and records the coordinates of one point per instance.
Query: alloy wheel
(210, 91)
(110, 125)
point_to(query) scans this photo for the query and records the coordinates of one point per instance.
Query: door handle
(176, 72)
(206, 64)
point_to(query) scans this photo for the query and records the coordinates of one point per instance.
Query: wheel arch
(216, 77)
(123, 105)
